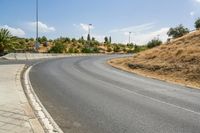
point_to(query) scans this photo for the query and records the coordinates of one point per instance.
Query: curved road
(85, 95)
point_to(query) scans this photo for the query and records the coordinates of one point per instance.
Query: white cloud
(197, 1)
(137, 28)
(43, 28)
(83, 26)
(141, 34)
(14, 31)
(143, 38)
(192, 13)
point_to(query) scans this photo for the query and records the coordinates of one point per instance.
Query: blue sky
(146, 19)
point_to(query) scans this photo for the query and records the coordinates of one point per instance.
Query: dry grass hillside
(177, 61)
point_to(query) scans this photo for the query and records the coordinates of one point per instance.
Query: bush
(58, 48)
(86, 50)
(178, 31)
(140, 48)
(70, 50)
(116, 48)
(109, 49)
(154, 43)
(76, 50)
(197, 23)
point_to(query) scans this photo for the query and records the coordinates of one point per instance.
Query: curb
(41, 113)
(23, 56)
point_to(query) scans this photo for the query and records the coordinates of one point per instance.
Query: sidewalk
(16, 115)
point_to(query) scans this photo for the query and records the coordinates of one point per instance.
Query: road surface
(85, 95)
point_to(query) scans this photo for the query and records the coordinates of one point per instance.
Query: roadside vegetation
(9, 43)
(177, 60)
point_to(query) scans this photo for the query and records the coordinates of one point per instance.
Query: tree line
(9, 43)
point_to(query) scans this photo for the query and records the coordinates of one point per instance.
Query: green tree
(154, 43)
(67, 39)
(197, 23)
(74, 40)
(178, 31)
(88, 37)
(93, 39)
(106, 40)
(5, 39)
(42, 39)
(130, 46)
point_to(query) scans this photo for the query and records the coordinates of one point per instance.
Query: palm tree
(5, 39)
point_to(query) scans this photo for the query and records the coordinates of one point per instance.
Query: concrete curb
(44, 117)
(35, 56)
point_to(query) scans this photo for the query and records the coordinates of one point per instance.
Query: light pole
(37, 19)
(130, 37)
(89, 26)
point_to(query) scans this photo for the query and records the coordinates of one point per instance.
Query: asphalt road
(85, 95)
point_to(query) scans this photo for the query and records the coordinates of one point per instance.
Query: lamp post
(89, 26)
(130, 37)
(37, 19)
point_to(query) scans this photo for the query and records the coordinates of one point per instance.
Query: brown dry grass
(177, 61)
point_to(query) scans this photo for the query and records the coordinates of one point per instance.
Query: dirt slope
(177, 61)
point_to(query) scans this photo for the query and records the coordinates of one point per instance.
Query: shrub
(178, 31)
(140, 48)
(154, 43)
(109, 49)
(58, 48)
(86, 50)
(70, 50)
(116, 48)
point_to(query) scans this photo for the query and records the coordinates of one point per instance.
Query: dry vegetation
(177, 61)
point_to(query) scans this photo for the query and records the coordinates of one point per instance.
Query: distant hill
(176, 61)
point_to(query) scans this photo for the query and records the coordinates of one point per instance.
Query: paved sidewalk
(16, 115)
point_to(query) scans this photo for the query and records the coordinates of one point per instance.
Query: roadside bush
(86, 50)
(109, 49)
(116, 48)
(70, 50)
(58, 48)
(154, 43)
(76, 50)
(140, 48)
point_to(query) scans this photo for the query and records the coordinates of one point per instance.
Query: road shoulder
(120, 63)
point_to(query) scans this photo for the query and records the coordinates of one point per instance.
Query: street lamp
(130, 37)
(89, 26)
(37, 19)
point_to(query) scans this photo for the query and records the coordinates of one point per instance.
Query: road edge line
(45, 119)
